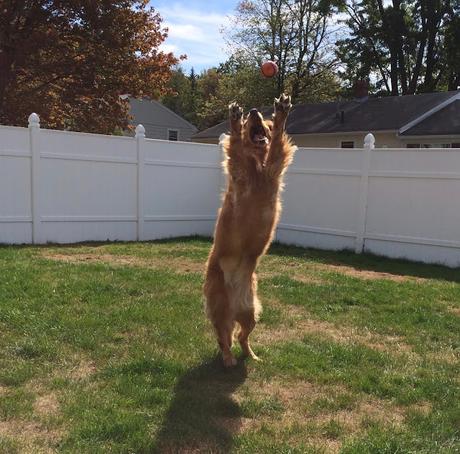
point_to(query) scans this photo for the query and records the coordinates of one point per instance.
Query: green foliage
(402, 47)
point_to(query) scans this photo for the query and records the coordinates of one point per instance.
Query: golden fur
(257, 154)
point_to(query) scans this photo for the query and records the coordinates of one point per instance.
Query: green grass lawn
(105, 348)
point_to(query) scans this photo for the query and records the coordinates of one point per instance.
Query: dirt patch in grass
(303, 273)
(455, 311)
(306, 278)
(446, 355)
(299, 323)
(367, 274)
(31, 437)
(325, 426)
(299, 394)
(83, 370)
(307, 271)
(181, 265)
(46, 405)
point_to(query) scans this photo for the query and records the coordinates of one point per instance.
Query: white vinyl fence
(67, 187)
(392, 202)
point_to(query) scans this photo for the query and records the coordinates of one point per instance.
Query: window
(173, 134)
(347, 144)
(436, 145)
(429, 145)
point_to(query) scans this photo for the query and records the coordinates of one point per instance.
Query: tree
(70, 60)
(405, 46)
(452, 50)
(177, 98)
(183, 96)
(294, 33)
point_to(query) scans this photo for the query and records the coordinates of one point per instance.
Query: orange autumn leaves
(70, 60)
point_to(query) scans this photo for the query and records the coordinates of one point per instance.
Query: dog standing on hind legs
(257, 155)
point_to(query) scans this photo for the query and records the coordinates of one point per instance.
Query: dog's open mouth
(258, 135)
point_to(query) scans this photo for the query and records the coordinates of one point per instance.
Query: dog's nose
(253, 111)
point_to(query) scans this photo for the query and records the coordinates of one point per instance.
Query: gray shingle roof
(371, 114)
(444, 122)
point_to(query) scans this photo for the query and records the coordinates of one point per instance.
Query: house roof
(153, 112)
(369, 114)
(443, 122)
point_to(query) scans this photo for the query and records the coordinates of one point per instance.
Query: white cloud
(196, 33)
(185, 32)
(166, 48)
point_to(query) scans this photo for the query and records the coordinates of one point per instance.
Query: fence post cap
(369, 141)
(140, 131)
(34, 120)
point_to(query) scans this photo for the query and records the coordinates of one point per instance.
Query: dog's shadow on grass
(203, 416)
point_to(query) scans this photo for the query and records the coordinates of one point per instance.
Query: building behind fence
(65, 187)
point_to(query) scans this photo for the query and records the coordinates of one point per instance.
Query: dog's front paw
(282, 104)
(235, 111)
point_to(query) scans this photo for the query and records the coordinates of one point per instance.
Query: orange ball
(269, 68)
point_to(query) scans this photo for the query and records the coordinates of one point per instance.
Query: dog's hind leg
(224, 330)
(247, 322)
(220, 312)
(224, 324)
(247, 318)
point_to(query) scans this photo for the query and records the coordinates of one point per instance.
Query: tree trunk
(5, 79)
(393, 48)
(433, 18)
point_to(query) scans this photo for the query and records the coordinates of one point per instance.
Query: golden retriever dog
(257, 155)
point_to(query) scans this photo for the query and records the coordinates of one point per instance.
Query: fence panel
(87, 187)
(321, 199)
(414, 207)
(15, 186)
(181, 188)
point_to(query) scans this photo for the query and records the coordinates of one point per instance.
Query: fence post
(369, 145)
(140, 141)
(34, 130)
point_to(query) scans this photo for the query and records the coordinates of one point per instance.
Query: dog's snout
(253, 111)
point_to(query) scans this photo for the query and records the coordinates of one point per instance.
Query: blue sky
(194, 29)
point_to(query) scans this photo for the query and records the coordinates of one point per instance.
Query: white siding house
(159, 121)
